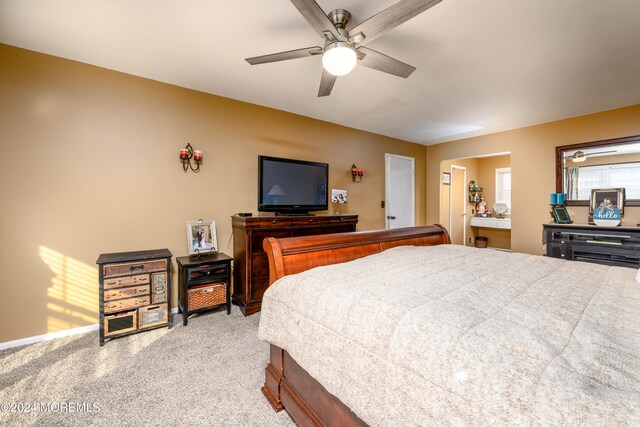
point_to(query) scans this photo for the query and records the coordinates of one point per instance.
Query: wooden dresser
(250, 264)
(135, 292)
(602, 245)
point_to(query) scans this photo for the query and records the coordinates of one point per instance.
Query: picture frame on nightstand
(201, 237)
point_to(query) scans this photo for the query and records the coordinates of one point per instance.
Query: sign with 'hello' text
(606, 216)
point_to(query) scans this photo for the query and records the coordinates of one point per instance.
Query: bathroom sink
(491, 222)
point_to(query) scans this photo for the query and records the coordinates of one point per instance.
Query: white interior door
(399, 191)
(458, 205)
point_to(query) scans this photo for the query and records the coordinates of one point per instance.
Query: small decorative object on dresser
(338, 197)
(607, 216)
(203, 284)
(560, 215)
(134, 292)
(201, 237)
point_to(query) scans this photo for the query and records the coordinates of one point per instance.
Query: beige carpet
(206, 374)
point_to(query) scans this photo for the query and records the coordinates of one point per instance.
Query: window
(503, 186)
(609, 176)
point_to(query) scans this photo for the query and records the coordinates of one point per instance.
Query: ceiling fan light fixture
(339, 58)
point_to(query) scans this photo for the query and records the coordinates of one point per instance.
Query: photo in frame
(446, 178)
(201, 237)
(339, 196)
(560, 215)
(607, 198)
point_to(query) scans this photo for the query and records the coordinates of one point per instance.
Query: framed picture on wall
(201, 237)
(607, 198)
(446, 178)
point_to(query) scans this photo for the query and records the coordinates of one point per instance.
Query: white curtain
(571, 183)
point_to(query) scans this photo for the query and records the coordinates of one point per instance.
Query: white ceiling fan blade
(388, 19)
(284, 56)
(386, 64)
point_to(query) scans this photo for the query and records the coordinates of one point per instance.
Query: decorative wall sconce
(356, 174)
(186, 154)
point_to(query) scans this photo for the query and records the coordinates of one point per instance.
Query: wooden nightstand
(203, 284)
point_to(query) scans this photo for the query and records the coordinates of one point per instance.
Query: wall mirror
(613, 163)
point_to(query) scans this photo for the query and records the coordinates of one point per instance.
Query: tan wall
(533, 167)
(90, 165)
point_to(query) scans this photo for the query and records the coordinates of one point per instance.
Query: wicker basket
(207, 295)
(481, 242)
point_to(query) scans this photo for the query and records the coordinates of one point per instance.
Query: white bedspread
(455, 335)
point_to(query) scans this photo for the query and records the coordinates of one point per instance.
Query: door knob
(391, 217)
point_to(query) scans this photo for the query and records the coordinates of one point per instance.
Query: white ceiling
(482, 65)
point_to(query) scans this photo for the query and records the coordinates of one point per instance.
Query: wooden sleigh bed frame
(287, 385)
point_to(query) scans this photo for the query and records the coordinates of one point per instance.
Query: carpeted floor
(206, 374)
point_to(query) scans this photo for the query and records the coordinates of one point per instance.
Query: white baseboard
(54, 335)
(46, 337)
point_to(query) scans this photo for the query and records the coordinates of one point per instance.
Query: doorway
(458, 205)
(490, 176)
(399, 191)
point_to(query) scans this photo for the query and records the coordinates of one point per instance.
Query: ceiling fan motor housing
(339, 18)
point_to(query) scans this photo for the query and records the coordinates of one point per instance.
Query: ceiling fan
(581, 156)
(343, 48)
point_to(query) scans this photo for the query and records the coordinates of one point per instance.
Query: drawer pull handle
(137, 267)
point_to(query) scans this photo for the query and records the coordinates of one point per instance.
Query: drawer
(126, 292)
(258, 222)
(120, 323)
(126, 281)
(124, 304)
(558, 251)
(308, 221)
(258, 236)
(207, 272)
(208, 295)
(159, 285)
(121, 269)
(152, 315)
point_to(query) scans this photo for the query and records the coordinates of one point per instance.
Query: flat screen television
(292, 187)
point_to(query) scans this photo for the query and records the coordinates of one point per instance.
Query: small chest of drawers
(203, 284)
(135, 292)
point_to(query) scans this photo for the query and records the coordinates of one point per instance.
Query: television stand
(250, 264)
(618, 246)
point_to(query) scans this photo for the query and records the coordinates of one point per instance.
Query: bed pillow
(638, 277)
